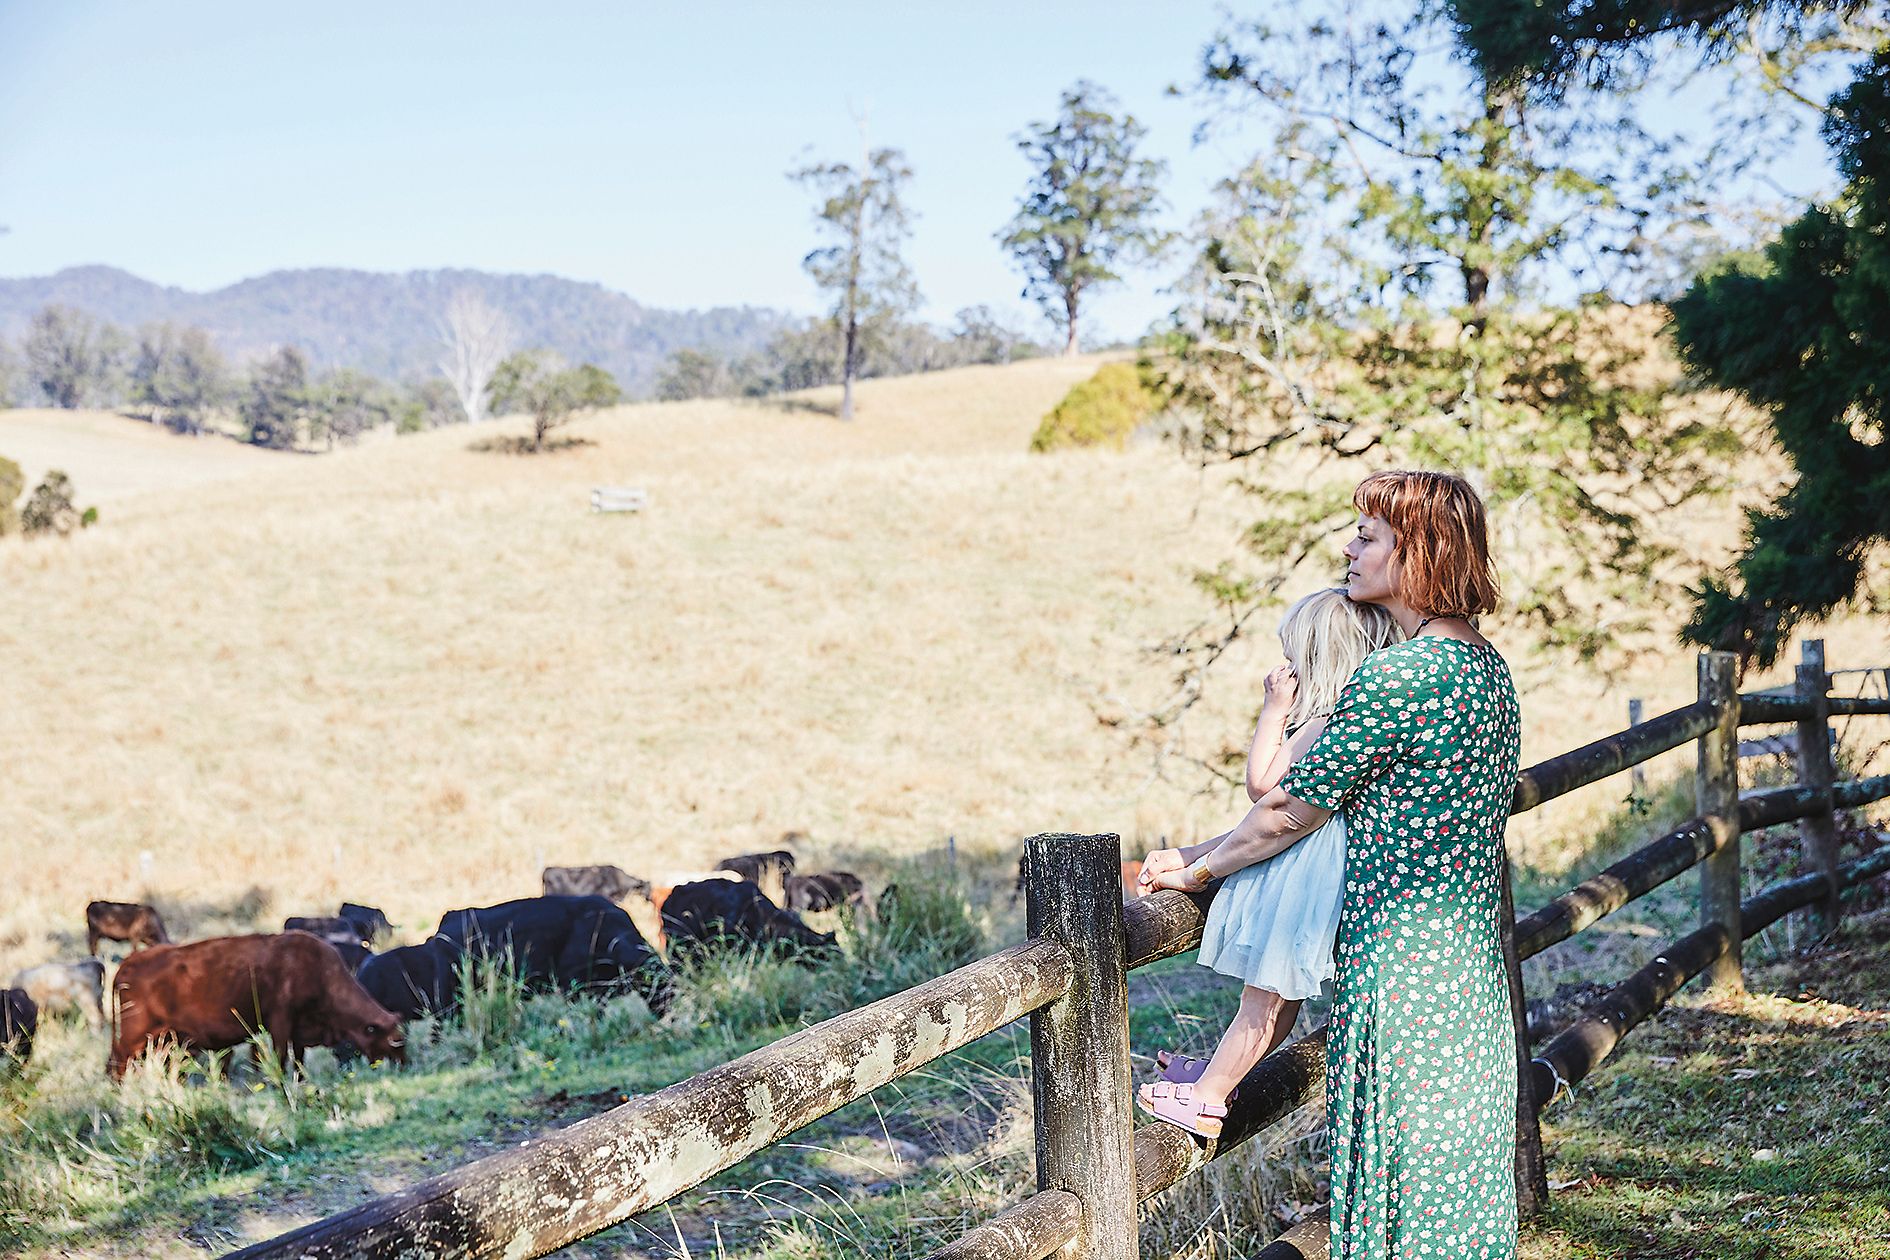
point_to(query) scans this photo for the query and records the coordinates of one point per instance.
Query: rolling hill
(386, 324)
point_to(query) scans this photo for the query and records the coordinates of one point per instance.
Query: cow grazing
(766, 871)
(826, 891)
(414, 980)
(369, 923)
(126, 921)
(593, 881)
(214, 994)
(723, 912)
(564, 943)
(60, 988)
(19, 1019)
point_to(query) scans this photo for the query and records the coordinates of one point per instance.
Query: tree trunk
(1069, 316)
(848, 367)
(1480, 217)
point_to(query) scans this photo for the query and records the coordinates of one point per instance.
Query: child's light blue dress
(1272, 924)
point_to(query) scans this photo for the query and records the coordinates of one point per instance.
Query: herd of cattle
(322, 981)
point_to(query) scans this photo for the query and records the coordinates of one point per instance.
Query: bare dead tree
(477, 338)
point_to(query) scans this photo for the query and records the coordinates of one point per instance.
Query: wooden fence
(1093, 1165)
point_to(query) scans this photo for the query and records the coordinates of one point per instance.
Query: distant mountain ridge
(388, 324)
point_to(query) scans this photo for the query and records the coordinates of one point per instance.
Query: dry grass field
(412, 673)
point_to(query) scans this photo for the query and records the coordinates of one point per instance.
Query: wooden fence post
(1637, 777)
(1079, 1044)
(1532, 1172)
(1815, 771)
(1716, 799)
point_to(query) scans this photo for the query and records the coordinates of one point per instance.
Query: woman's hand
(1160, 863)
(1282, 687)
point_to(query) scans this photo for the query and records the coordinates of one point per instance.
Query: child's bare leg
(1262, 1023)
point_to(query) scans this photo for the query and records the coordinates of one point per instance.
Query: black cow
(715, 912)
(343, 934)
(414, 980)
(368, 921)
(825, 891)
(564, 943)
(19, 1019)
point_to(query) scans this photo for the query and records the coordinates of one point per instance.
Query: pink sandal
(1179, 1068)
(1176, 1104)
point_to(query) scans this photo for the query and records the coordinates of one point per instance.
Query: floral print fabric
(1421, 756)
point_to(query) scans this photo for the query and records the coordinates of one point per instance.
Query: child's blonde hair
(1326, 636)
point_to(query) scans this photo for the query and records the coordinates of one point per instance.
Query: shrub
(50, 510)
(1101, 411)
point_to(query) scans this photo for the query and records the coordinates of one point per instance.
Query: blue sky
(642, 146)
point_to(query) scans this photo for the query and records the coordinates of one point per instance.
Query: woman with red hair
(1420, 755)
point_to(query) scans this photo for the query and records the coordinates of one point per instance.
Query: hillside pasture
(411, 674)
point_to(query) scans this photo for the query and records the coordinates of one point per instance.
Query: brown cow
(127, 921)
(211, 995)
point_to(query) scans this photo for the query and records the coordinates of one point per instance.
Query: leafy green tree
(980, 336)
(861, 211)
(72, 358)
(1090, 206)
(694, 374)
(1796, 330)
(539, 383)
(1366, 294)
(344, 404)
(1800, 333)
(179, 375)
(274, 409)
(428, 404)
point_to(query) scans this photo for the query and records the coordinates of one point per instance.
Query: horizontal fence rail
(1578, 1049)
(1762, 707)
(1590, 763)
(571, 1182)
(1653, 864)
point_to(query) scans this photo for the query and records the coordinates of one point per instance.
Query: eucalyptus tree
(1090, 207)
(861, 215)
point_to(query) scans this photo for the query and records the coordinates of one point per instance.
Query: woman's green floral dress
(1421, 756)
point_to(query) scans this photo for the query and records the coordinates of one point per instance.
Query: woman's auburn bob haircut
(1442, 540)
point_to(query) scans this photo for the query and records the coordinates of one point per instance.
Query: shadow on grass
(509, 445)
(1738, 1128)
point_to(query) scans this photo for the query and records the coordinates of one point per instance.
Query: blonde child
(1272, 923)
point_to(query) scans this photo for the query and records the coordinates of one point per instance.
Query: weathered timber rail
(1093, 1165)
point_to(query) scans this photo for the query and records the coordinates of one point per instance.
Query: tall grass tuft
(491, 1002)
